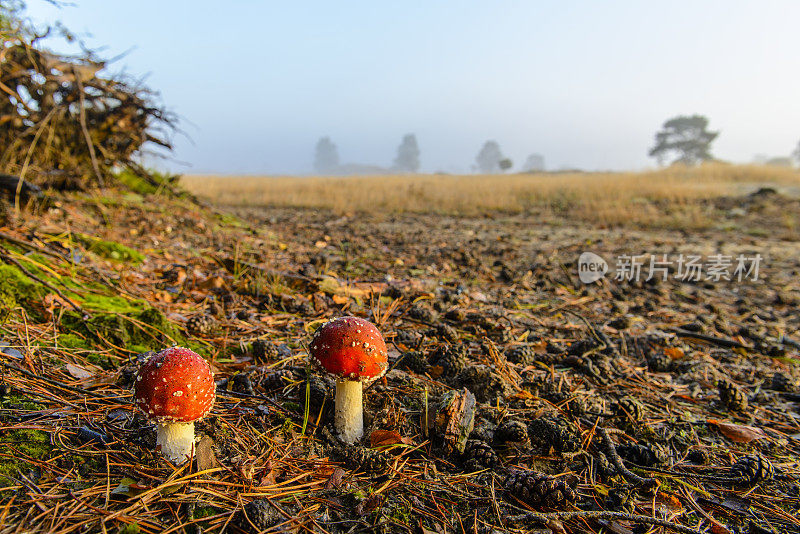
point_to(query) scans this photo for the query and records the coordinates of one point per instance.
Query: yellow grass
(612, 198)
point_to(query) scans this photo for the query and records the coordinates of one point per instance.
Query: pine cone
(581, 347)
(242, 384)
(510, 431)
(422, 313)
(451, 358)
(555, 432)
(630, 408)
(731, 396)
(302, 307)
(483, 381)
(456, 314)
(659, 362)
(264, 350)
(752, 469)
(603, 467)
(479, 455)
(259, 513)
(651, 349)
(540, 490)
(408, 338)
(369, 460)
(621, 323)
(415, 361)
(276, 379)
(620, 499)
(318, 391)
(521, 354)
(446, 333)
(698, 456)
(569, 403)
(176, 274)
(783, 382)
(200, 325)
(642, 455)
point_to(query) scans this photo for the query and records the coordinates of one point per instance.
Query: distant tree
(796, 153)
(685, 137)
(505, 164)
(489, 157)
(534, 163)
(326, 156)
(407, 159)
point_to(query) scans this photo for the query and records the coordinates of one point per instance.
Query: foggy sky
(584, 83)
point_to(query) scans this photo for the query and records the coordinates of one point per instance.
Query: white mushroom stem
(349, 418)
(176, 440)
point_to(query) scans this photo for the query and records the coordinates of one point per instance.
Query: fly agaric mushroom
(352, 350)
(175, 388)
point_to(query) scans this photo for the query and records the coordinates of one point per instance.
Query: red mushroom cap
(350, 348)
(176, 386)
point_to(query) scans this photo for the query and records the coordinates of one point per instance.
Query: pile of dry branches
(64, 125)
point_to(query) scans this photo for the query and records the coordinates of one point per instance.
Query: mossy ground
(131, 528)
(110, 320)
(17, 290)
(16, 447)
(141, 186)
(110, 249)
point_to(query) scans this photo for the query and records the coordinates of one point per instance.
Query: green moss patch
(204, 511)
(19, 402)
(110, 249)
(141, 329)
(146, 328)
(130, 528)
(16, 289)
(135, 183)
(111, 304)
(13, 445)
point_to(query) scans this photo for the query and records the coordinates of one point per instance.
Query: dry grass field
(667, 198)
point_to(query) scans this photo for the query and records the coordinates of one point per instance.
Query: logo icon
(591, 267)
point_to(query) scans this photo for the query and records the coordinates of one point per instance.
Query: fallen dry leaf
(369, 504)
(435, 371)
(204, 453)
(383, 438)
(76, 371)
(336, 478)
(540, 347)
(674, 353)
(522, 395)
(738, 433)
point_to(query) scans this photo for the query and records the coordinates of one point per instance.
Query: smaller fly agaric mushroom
(175, 388)
(352, 350)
